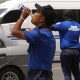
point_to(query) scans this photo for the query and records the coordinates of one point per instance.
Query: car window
(1, 44)
(78, 15)
(11, 16)
(59, 13)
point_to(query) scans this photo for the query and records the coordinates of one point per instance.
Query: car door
(3, 51)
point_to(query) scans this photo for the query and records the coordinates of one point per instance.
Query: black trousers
(70, 63)
(39, 75)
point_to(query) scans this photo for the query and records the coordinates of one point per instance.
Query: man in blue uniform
(41, 41)
(69, 31)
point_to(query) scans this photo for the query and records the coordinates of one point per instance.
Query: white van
(9, 14)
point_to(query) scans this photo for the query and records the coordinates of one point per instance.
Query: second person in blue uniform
(69, 31)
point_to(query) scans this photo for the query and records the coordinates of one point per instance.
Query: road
(57, 72)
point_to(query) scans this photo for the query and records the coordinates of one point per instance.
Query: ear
(42, 19)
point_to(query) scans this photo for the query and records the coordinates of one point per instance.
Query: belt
(71, 49)
(41, 72)
(37, 71)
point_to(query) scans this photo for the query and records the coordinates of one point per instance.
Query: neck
(46, 27)
(42, 25)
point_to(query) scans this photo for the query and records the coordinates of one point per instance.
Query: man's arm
(56, 27)
(17, 27)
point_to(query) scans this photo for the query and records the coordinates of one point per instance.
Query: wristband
(22, 18)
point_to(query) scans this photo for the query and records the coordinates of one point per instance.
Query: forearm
(17, 29)
(18, 24)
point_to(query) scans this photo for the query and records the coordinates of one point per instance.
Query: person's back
(69, 31)
(69, 34)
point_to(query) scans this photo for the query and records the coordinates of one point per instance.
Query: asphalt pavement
(57, 72)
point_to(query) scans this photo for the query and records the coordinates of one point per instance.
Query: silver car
(13, 59)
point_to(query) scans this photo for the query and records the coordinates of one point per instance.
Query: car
(13, 59)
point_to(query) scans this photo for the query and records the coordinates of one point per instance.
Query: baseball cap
(48, 12)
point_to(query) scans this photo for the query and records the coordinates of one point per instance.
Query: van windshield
(2, 10)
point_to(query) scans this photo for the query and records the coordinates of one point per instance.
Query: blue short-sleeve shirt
(41, 48)
(69, 32)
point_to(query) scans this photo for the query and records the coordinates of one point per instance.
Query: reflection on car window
(2, 10)
(1, 44)
(11, 16)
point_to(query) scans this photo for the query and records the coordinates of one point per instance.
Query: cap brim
(38, 7)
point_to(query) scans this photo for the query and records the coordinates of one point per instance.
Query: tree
(1, 1)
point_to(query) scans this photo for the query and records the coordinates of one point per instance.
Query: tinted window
(78, 15)
(60, 14)
(11, 16)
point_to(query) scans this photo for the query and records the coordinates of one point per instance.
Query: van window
(2, 10)
(78, 15)
(59, 13)
(11, 16)
(1, 44)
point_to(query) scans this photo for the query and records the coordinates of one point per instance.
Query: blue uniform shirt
(69, 32)
(41, 49)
